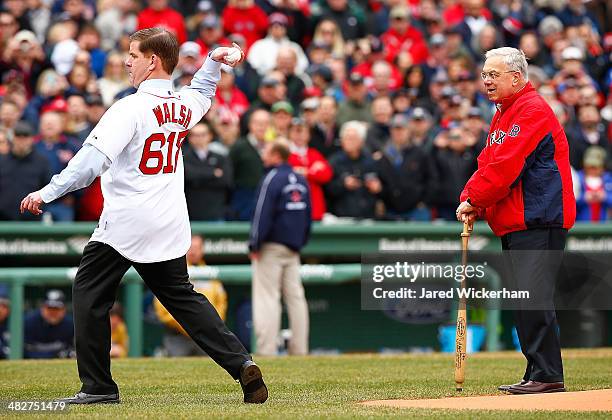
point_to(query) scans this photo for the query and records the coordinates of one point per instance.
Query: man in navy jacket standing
(279, 229)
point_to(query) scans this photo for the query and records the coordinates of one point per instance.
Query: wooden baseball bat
(461, 331)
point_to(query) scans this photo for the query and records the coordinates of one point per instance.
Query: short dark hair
(160, 42)
(281, 147)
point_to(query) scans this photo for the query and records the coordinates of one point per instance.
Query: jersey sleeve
(115, 130)
(201, 90)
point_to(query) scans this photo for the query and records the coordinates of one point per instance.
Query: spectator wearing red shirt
(454, 13)
(228, 97)
(375, 54)
(246, 18)
(475, 18)
(403, 38)
(159, 14)
(311, 164)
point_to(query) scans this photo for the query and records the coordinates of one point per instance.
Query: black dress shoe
(534, 387)
(506, 388)
(84, 398)
(253, 386)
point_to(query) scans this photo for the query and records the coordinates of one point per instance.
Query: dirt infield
(599, 400)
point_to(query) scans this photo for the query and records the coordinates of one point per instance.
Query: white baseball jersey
(145, 214)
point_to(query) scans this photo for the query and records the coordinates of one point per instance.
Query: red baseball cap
(56, 105)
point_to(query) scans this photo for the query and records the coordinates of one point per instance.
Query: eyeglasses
(493, 74)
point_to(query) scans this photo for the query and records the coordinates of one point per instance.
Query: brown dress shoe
(534, 387)
(253, 386)
(506, 388)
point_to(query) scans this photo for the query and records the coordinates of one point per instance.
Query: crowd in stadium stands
(48, 331)
(381, 100)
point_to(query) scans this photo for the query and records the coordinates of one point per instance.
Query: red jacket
(523, 179)
(237, 103)
(252, 22)
(412, 42)
(317, 172)
(168, 18)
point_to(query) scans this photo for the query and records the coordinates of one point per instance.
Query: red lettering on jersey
(166, 113)
(182, 116)
(179, 143)
(188, 119)
(174, 120)
(159, 115)
(158, 156)
(168, 168)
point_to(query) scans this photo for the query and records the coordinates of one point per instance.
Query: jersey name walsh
(166, 113)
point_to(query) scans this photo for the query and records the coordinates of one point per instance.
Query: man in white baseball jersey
(144, 224)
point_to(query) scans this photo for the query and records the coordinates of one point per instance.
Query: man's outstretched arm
(206, 78)
(82, 169)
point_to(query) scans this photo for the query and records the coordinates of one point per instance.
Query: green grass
(319, 387)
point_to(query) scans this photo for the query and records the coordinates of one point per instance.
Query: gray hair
(514, 59)
(358, 126)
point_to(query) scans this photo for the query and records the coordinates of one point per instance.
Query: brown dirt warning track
(598, 400)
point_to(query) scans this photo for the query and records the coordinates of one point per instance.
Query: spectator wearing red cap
(402, 38)
(246, 18)
(310, 163)
(159, 14)
(262, 55)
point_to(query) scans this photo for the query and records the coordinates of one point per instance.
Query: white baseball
(233, 56)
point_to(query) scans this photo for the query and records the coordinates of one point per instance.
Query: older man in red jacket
(523, 187)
